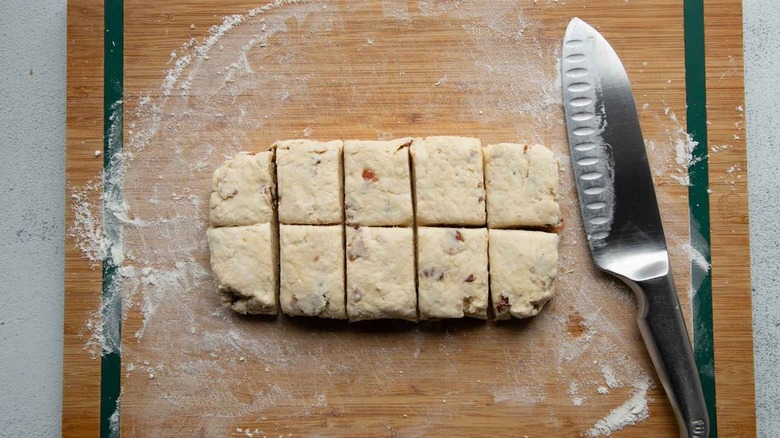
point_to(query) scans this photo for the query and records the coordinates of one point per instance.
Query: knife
(620, 211)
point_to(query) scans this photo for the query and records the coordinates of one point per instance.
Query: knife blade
(620, 211)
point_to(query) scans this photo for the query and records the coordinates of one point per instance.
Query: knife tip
(577, 22)
(577, 28)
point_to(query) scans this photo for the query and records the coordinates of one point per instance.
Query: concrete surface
(32, 205)
(762, 61)
(32, 190)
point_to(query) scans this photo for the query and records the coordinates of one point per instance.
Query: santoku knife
(620, 211)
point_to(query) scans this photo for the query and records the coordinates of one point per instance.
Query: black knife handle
(663, 329)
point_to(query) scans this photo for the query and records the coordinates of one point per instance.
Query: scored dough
(523, 268)
(312, 271)
(522, 186)
(244, 262)
(310, 176)
(449, 181)
(349, 215)
(452, 272)
(243, 190)
(380, 273)
(377, 186)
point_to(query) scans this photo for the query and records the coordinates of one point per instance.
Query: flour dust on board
(352, 70)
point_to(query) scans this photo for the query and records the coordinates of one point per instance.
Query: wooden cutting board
(191, 94)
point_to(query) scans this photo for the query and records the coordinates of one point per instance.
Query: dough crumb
(98, 153)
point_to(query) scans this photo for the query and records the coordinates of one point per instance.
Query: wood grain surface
(81, 380)
(729, 220)
(440, 379)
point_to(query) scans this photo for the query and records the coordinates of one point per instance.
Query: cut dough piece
(449, 182)
(452, 273)
(244, 262)
(380, 273)
(243, 190)
(377, 186)
(312, 270)
(522, 186)
(523, 267)
(310, 176)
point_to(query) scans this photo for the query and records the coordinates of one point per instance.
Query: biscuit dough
(452, 272)
(244, 262)
(377, 186)
(243, 190)
(365, 233)
(522, 186)
(309, 180)
(523, 268)
(380, 273)
(312, 271)
(449, 184)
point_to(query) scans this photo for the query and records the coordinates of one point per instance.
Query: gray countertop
(762, 60)
(32, 196)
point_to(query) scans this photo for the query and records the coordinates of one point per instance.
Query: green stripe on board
(111, 363)
(699, 201)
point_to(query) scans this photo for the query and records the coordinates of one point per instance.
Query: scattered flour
(576, 399)
(696, 257)
(732, 176)
(87, 228)
(629, 413)
(609, 376)
(719, 147)
(113, 424)
(398, 9)
(683, 148)
(680, 146)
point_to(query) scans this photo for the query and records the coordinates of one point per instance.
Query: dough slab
(424, 228)
(244, 262)
(452, 272)
(312, 271)
(243, 190)
(449, 181)
(522, 186)
(377, 185)
(380, 273)
(309, 179)
(523, 268)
